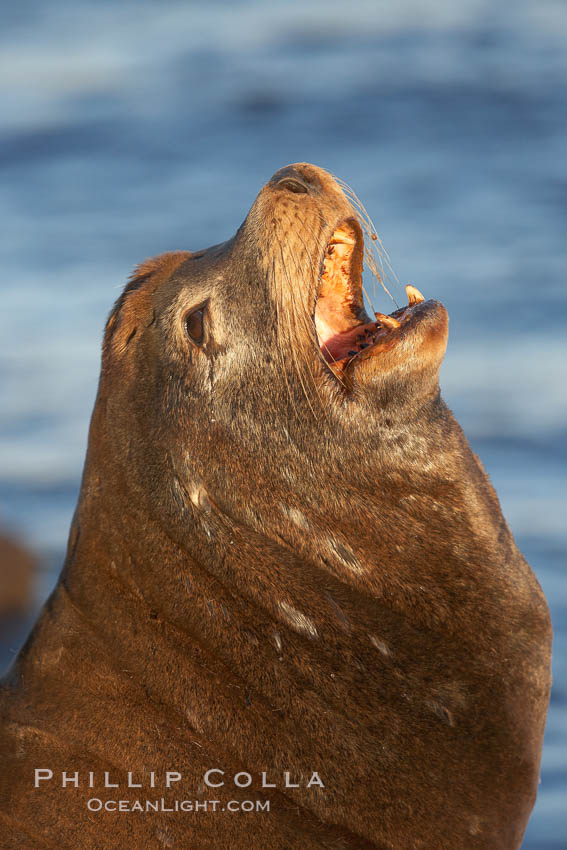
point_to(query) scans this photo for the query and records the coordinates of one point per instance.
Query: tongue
(349, 343)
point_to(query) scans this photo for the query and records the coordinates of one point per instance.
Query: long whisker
(292, 336)
(279, 349)
(375, 254)
(307, 316)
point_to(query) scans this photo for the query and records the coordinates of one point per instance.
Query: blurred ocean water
(133, 128)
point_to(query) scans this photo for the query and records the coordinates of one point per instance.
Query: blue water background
(128, 129)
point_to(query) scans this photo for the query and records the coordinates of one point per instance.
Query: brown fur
(271, 570)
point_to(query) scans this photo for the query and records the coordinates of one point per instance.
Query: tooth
(342, 240)
(387, 321)
(343, 236)
(414, 295)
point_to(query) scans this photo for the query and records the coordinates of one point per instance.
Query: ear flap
(133, 308)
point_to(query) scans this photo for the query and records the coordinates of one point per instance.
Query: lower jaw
(366, 339)
(413, 350)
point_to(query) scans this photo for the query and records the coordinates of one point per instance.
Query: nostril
(293, 185)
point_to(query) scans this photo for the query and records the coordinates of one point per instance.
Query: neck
(208, 632)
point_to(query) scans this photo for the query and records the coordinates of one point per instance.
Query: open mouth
(345, 332)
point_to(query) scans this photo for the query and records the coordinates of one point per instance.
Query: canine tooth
(414, 295)
(387, 321)
(342, 236)
(342, 240)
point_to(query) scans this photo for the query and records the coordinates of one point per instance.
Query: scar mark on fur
(345, 555)
(200, 499)
(298, 621)
(296, 516)
(380, 645)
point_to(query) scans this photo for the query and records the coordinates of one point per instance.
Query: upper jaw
(345, 332)
(339, 306)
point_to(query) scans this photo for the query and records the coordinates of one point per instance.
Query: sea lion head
(314, 272)
(254, 364)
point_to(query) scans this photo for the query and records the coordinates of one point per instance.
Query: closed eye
(293, 185)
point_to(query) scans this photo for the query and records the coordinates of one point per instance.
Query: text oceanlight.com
(162, 805)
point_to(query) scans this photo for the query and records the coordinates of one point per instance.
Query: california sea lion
(285, 564)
